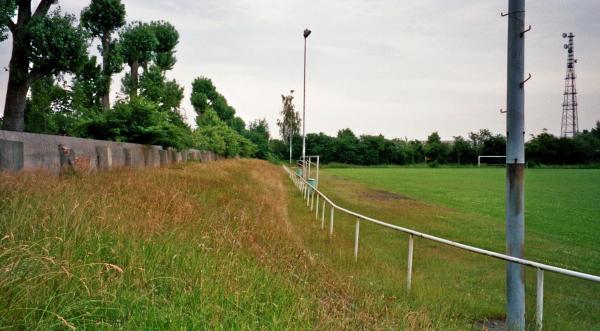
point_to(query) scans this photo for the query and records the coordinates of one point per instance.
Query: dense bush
(214, 135)
(137, 121)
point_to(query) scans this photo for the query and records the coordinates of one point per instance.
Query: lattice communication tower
(569, 125)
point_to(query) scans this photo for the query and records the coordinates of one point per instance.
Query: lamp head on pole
(307, 33)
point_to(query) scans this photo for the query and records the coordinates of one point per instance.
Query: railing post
(356, 239)
(323, 216)
(539, 312)
(317, 208)
(410, 260)
(312, 200)
(331, 223)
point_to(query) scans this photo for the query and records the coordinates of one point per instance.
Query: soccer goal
(490, 157)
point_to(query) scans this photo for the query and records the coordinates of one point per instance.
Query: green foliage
(435, 149)
(462, 151)
(486, 143)
(546, 148)
(346, 149)
(88, 86)
(238, 124)
(258, 133)
(214, 135)
(57, 46)
(167, 37)
(205, 96)
(7, 11)
(203, 92)
(155, 87)
(103, 17)
(148, 45)
(137, 42)
(137, 121)
(48, 110)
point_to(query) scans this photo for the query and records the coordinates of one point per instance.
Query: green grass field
(562, 206)
(467, 205)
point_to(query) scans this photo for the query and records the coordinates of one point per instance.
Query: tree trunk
(106, 70)
(135, 65)
(18, 85)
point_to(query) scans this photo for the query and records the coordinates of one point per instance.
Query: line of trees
(346, 147)
(56, 86)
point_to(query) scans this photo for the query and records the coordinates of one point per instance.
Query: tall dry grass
(197, 246)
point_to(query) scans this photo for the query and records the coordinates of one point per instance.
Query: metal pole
(317, 208)
(356, 239)
(304, 112)
(291, 148)
(409, 263)
(323, 216)
(305, 191)
(515, 166)
(331, 223)
(318, 161)
(539, 312)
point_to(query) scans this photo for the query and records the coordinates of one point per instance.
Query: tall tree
(258, 133)
(203, 92)
(205, 96)
(87, 87)
(435, 149)
(289, 124)
(42, 44)
(168, 38)
(101, 18)
(136, 45)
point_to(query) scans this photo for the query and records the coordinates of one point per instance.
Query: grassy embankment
(231, 245)
(199, 246)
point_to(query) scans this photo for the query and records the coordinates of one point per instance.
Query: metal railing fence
(311, 193)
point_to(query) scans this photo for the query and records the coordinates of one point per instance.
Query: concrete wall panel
(11, 155)
(32, 151)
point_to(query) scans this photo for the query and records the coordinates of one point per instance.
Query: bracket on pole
(525, 81)
(512, 12)
(523, 32)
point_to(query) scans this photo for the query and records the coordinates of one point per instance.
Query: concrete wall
(21, 151)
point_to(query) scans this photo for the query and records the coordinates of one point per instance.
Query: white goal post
(488, 156)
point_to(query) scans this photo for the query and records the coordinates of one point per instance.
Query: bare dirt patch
(381, 195)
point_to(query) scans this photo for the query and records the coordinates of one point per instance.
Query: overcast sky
(399, 68)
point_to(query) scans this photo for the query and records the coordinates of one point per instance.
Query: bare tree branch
(43, 7)
(11, 26)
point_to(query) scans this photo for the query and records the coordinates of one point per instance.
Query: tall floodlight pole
(306, 34)
(515, 165)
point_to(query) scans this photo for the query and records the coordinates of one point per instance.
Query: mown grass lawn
(562, 205)
(466, 205)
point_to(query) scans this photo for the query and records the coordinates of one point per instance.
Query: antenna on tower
(569, 125)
